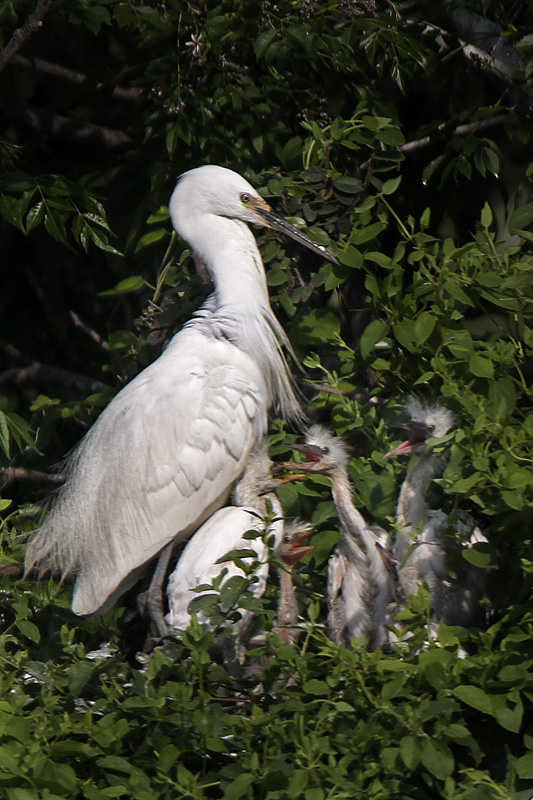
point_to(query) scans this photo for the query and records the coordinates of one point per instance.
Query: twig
(359, 397)
(10, 474)
(65, 74)
(91, 333)
(35, 372)
(74, 130)
(101, 342)
(33, 23)
(461, 130)
(40, 373)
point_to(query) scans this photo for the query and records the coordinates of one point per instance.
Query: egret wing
(160, 459)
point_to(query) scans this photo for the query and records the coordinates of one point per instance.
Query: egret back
(160, 459)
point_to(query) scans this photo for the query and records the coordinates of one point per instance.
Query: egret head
(256, 479)
(294, 546)
(220, 192)
(424, 422)
(324, 452)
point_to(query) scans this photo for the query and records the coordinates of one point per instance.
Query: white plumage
(423, 543)
(256, 508)
(360, 585)
(165, 453)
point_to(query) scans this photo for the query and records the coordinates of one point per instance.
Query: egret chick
(420, 546)
(360, 580)
(256, 508)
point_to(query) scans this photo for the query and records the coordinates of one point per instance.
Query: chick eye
(325, 450)
(245, 199)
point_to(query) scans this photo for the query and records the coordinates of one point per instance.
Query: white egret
(165, 453)
(256, 508)
(360, 579)
(422, 546)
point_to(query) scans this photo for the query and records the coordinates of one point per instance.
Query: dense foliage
(400, 133)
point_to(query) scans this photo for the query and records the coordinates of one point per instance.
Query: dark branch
(57, 71)
(95, 336)
(40, 373)
(461, 130)
(35, 372)
(33, 23)
(10, 474)
(61, 127)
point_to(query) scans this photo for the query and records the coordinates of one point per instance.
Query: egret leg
(154, 595)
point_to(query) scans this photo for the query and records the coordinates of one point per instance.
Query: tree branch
(79, 78)
(33, 23)
(10, 474)
(61, 127)
(461, 130)
(35, 372)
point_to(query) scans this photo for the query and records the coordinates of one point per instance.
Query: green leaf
(437, 757)
(508, 710)
(475, 697)
(351, 257)
(486, 216)
(132, 284)
(524, 767)
(374, 332)
(240, 787)
(410, 751)
(11, 209)
(29, 629)
(481, 367)
(151, 238)
(78, 676)
(391, 186)
(424, 326)
(348, 185)
(521, 218)
(316, 687)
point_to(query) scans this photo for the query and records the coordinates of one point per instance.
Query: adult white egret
(421, 546)
(165, 453)
(360, 578)
(256, 508)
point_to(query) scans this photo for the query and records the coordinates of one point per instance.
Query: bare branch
(63, 73)
(35, 372)
(461, 130)
(33, 23)
(91, 333)
(10, 474)
(100, 341)
(40, 373)
(84, 133)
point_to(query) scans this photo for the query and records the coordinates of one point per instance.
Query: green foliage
(359, 120)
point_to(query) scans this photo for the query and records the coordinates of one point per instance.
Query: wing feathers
(164, 455)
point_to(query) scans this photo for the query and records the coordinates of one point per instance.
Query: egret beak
(289, 478)
(415, 444)
(271, 220)
(296, 553)
(297, 550)
(313, 455)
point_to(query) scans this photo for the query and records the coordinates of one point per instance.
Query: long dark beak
(272, 220)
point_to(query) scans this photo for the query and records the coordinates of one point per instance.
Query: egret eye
(245, 199)
(325, 451)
